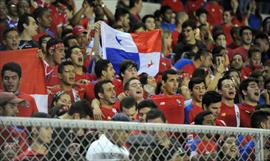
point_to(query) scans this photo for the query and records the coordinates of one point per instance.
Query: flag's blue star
(118, 40)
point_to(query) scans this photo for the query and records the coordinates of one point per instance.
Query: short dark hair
(261, 35)
(12, 66)
(166, 73)
(69, 51)
(127, 103)
(146, 17)
(267, 81)
(244, 84)
(136, 26)
(198, 120)
(132, 3)
(219, 85)
(67, 38)
(257, 117)
(82, 107)
(163, 9)
(146, 103)
(101, 65)
(201, 11)
(193, 81)
(42, 38)
(155, 113)
(120, 117)
(40, 115)
(189, 23)
(120, 12)
(63, 64)
(217, 34)
(125, 65)
(24, 19)
(38, 12)
(99, 87)
(52, 42)
(143, 78)
(210, 97)
(200, 72)
(242, 29)
(8, 30)
(201, 52)
(252, 50)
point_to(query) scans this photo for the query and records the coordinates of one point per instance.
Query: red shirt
(176, 5)
(30, 108)
(242, 51)
(189, 68)
(245, 112)
(84, 76)
(195, 110)
(205, 147)
(227, 31)
(215, 13)
(171, 106)
(247, 70)
(51, 76)
(193, 5)
(219, 122)
(109, 112)
(164, 64)
(227, 113)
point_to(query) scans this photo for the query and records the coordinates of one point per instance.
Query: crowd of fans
(214, 70)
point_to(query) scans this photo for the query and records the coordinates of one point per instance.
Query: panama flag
(33, 77)
(143, 48)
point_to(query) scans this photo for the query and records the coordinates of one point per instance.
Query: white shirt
(103, 149)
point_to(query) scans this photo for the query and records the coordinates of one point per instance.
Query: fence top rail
(56, 123)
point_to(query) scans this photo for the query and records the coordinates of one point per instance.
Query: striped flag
(143, 48)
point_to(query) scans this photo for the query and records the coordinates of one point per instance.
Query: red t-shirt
(51, 76)
(219, 122)
(227, 31)
(176, 5)
(215, 13)
(227, 113)
(189, 68)
(109, 112)
(193, 5)
(195, 110)
(172, 107)
(29, 109)
(245, 112)
(242, 51)
(205, 147)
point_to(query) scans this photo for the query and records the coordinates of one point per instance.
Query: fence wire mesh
(78, 140)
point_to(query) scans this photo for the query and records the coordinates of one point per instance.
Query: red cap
(8, 97)
(78, 29)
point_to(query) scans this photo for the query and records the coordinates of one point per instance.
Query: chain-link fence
(56, 139)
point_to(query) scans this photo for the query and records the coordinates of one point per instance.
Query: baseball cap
(8, 97)
(78, 29)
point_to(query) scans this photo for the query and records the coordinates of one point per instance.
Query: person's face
(247, 37)
(253, 92)
(68, 75)
(45, 134)
(131, 112)
(32, 27)
(198, 91)
(23, 7)
(237, 62)
(221, 41)
(263, 44)
(12, 9)
(82, 39)
(130, 72)
(171, 84)
(209, 120)
(46, 19)
(120, 137)
(266, 123)
(151, 81)
(10, 109)
(203, 18)
(189, 34)
(58, 55)
(109, 73)
(109, 94)
(214, 108)
(228, 89)
(77, 57)
(256, 58)
(150, 24)
(143, 112)
(12, 40)
(63, 101)
(11, 81)
(168, 16)
(135, 89)
(207, 60)
(230, 148)
(227, 18)
(125, 20)
(3, 10)
(235, 77)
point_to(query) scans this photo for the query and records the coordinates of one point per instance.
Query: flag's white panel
(41, 101)
(149, 63)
